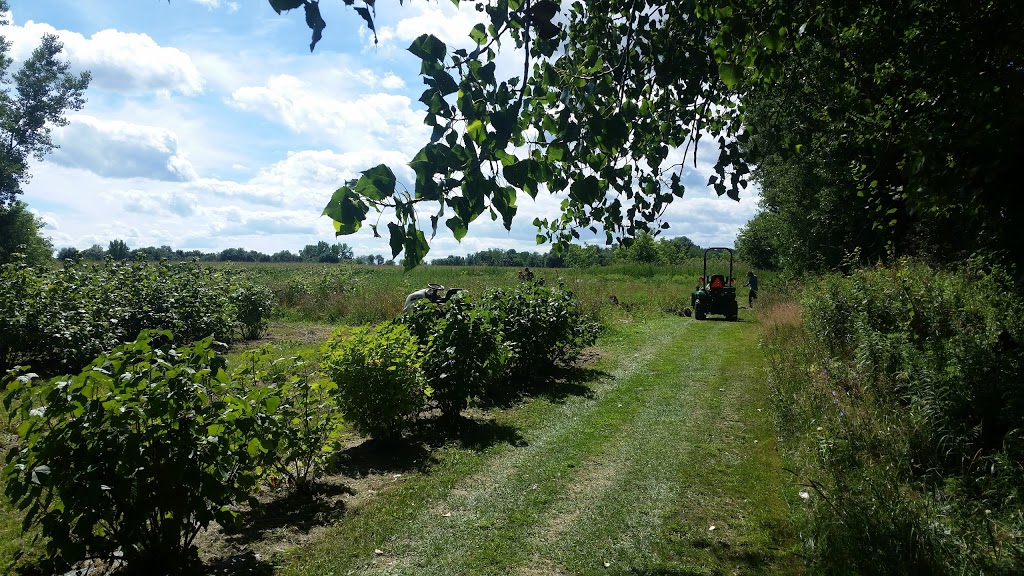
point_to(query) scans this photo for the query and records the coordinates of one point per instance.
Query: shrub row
(446, 356)
(59, 320)
(902, 405)
(150, 443)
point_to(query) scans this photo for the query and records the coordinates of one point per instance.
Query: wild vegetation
(897, 395)
(61, 319)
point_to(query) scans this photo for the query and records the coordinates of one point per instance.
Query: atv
(717, 295)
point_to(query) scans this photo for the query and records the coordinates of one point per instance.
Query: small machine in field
(715, 294)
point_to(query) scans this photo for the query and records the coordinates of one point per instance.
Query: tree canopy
(891, 127)
(44, 91)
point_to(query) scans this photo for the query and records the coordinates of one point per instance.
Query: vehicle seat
(718, 281)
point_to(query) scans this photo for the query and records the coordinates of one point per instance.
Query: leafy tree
(44, 91)
(94, 252)
(69, 253)
(759, 242)
(20, 234)
(119, 250)
(324, 252)
(642, 250)
(678, 250)
(285, 256)
(912, 104)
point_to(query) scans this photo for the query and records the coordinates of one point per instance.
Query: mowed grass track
(666, 465)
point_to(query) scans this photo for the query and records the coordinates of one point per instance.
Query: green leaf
(347, 210)
(478, 34)
(428, 47)
(477, 131)
(283, 5)
(397, 239)
(416, 248)
(730, 74)
(377, 183)
(457, 226)
(586, 191)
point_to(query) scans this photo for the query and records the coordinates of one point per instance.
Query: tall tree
(913, 104)
(20, 233)
(44, 91)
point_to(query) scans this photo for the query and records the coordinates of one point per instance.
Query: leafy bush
(540, 327)
(253, 305)
(902, 407)
(59, 320)
(460, 350)
(305, 422)
(134, 455)
(380, 386)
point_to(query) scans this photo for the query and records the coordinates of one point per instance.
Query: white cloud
(120, 149)
(231, 7)
(121, 61)
(363, 121)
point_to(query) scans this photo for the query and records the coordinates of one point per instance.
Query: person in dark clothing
(752, 283)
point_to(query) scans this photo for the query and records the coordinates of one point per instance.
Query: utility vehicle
(715, 294)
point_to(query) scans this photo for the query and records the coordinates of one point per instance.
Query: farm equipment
(715, 294)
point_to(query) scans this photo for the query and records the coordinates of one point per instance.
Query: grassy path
(667, 466)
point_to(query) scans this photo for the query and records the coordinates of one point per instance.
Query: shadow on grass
(414, 451)
(242, 563)
(556, 385)
(299, 510)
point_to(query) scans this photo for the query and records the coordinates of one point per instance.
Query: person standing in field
(752, 283)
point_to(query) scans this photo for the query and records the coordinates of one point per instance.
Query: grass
(628, 475)
(621, 469)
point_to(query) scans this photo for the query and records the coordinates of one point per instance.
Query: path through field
(666, 465)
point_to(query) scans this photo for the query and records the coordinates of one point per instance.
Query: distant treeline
(319, 252)
(644, 250)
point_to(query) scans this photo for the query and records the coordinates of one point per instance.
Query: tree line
(323, 252)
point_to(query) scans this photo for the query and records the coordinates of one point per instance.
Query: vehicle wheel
(735, 314)
(699, 312)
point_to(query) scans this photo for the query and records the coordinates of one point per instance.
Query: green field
(656, 455)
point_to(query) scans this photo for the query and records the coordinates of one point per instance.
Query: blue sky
(209, 125)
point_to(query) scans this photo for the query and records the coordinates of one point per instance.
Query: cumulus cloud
(374, 120)
(121, 150)
(121, 61)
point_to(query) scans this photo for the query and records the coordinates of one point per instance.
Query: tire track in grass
(417, 538)
(477, 528)
(627, 481)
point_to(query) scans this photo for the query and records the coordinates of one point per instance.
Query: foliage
(325, 253)
(540, 327)
(377, 371)
(44, 91)
(253, 304)
(304, 423)
(59, 320)
(900, 405)
(135, 454)
(460, 350)
(898, 121)
(20, 233)
(118, 250)
(892, 131)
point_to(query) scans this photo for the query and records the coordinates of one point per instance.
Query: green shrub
(305, 423)
(135, 454)
(540, 327)
(380, 385)
(459, 348)
(253, 305)
(59, 320)
(901, 406)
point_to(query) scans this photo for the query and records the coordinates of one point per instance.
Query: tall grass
(357, 294)
(899, 399)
